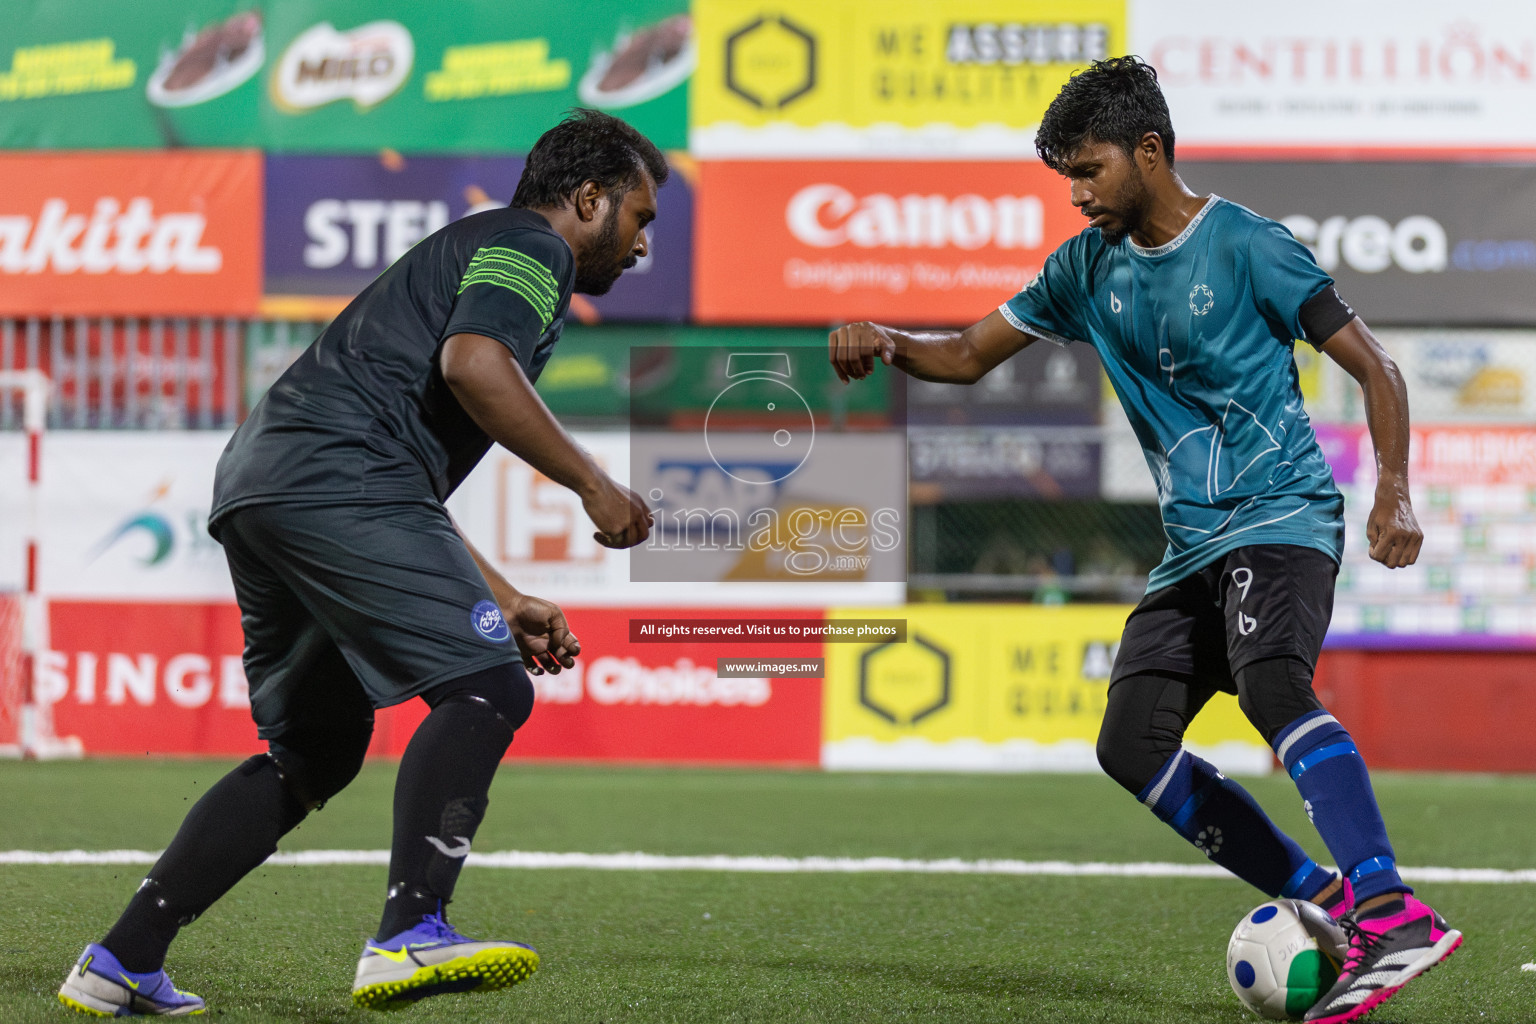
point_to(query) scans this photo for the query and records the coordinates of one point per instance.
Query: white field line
(765, 865)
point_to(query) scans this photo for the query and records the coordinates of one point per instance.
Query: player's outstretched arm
(1392, 530)
(494, 391)
(950, 357)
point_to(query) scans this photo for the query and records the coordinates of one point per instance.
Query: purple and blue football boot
(102, 987)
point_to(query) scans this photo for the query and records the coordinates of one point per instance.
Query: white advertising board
(125, 514)
(1418, 76)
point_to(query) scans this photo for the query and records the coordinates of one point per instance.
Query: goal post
(26, 723)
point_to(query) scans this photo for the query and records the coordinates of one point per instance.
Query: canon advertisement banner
(918, 243)
(1408, 243)
(130, 234)
(1417, 77)
(333, 223)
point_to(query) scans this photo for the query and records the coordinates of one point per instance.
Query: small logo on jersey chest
(488, 622)
(1115, 305)
(1201, 299)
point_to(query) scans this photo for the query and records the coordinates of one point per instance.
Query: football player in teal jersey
(1193, 304)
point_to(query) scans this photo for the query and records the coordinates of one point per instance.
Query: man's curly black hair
(588, 145)
(1115, 100)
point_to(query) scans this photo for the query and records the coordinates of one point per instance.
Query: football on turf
(1274, 961)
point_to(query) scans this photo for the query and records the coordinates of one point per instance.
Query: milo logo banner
(333, 76)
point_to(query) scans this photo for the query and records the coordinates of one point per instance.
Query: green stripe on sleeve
(517, 272)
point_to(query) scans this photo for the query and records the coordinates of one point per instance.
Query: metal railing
(130, 373)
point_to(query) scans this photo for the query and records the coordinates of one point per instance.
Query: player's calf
(1138, 748)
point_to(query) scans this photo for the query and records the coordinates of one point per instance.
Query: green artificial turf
(721, 947)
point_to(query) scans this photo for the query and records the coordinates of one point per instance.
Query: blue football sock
(1322, 760)
(1222, 820)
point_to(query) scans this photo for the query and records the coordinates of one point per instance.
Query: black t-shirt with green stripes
(364, 415)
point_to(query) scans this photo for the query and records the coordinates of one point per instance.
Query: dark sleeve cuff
(520, 352)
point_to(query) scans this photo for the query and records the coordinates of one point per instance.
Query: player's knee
(1129, 749)
(1274, 693)
(316, 765)
(1125, 754)
(505, 689)
(1127, 759)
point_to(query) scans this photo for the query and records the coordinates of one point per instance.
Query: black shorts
(1264, 601)
(355, 606)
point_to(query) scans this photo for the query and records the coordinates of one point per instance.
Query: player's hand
(545, 641)
(854, 348)
(620, 515)
(1392, 530)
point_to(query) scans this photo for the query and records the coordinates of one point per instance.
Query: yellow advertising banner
(995, 688)
(845, 77)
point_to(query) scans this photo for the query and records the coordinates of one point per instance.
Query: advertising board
(1415, 243)
(156, 677)
(926, 243)
(1335, 79)
(125, 518)
(999, 688)
(333, 223)
(334, 76)
(1474, 584)
(905, 77)
(132, 234)
(1462, 376)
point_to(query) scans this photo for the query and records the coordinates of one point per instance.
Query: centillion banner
(995, 688)
(844, 77)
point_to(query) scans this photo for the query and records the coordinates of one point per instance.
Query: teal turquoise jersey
(1196, 337)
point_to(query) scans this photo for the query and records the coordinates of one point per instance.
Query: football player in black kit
(357, 591)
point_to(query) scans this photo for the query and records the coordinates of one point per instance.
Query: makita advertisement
(333, 223)
(1408, 243)
(922, 243)
(133, 234)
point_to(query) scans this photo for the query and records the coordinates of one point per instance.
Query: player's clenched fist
(854, 348)
(620, 515)
(1392, 530)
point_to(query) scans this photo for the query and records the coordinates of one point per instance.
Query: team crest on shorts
(488, 622)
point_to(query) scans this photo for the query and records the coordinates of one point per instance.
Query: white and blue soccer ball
(1276, 964)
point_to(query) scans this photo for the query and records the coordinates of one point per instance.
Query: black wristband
(1324, 315)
